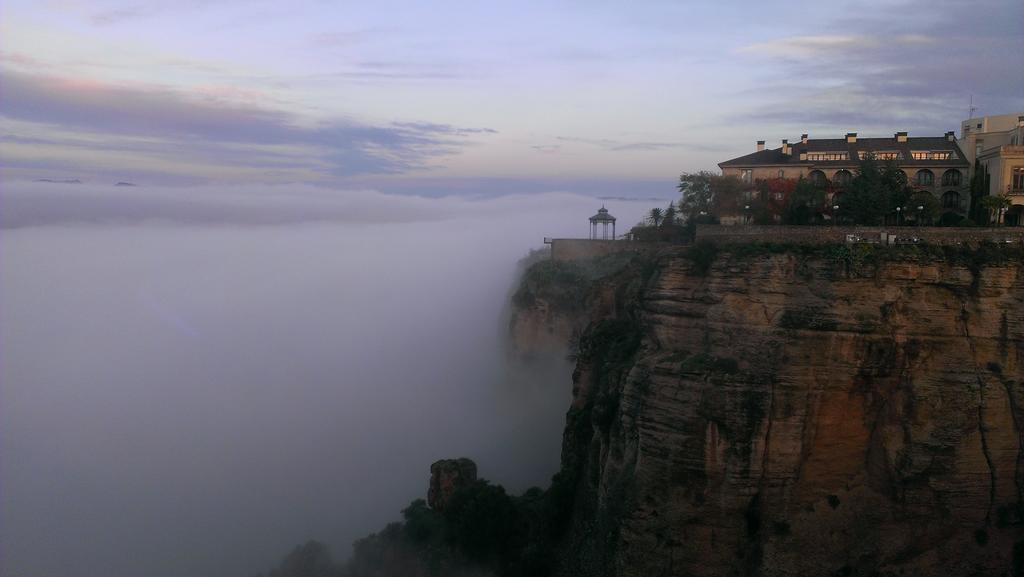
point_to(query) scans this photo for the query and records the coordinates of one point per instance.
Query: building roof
(602, 216)
(775, 157)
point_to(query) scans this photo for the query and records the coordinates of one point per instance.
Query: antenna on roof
(970, 111)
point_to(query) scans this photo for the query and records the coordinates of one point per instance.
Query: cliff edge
(837, 410)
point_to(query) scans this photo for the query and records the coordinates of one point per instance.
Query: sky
(477, 98)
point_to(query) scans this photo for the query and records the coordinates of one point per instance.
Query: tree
(727, 193)
(695, 188)
(875, 192)
(774, 197)
(992, 208)
(923, 207)
(669, 216)
(979, 190)
(655, 216)
(805, 204)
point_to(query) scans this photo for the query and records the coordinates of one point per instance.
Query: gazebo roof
(602, 216)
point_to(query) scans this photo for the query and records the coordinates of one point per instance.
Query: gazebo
(604, 219)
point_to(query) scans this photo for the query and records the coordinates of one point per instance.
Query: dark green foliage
(874, 194)
(705, 363)
(566, 284)
(563, 283)
(781, 527)
(805, 203)
(611, 341)
(810, 319)
(980, 183)
(753, 516)
(1007, 515)
(484, 523)
(994, 367)
(858, 259)
(421, 523)
(981, 537)
(833, 501)
(1018, 559)
(703, 255)
(482, 530)
(675, 233)
(310, 560)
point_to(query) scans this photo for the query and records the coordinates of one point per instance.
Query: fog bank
(194, 380)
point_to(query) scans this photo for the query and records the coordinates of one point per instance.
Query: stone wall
(831, 234)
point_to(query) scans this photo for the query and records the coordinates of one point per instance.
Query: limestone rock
(784, 414)
(447, 476)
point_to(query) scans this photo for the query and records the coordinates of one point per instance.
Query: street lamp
(898, 212)
(747, 209)
(920, 209)
(835, 214)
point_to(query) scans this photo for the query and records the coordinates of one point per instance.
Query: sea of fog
(193, 381)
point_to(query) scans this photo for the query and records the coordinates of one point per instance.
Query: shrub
(811, 319)
(483, 522)
(703, 255)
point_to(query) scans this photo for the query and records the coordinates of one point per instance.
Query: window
(925, 178)
(819, 156)
(1017, 184)
(843, 178)
(747, 175)
(979, 126)
(951, 177)
(951, 200)
(881, 154)
(932, 155)
(782, 173)
(817, 178)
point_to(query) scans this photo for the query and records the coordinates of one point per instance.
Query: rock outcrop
(446, 477)
(816, 412)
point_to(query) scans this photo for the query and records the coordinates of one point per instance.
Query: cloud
(642, 146)
(546, 148)
(118, 15)
(207, 393)
(883, 72)
(180, 122)
(31, 204)
(827, 45)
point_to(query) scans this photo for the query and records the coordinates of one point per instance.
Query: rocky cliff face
(815, 412)
(556, 300)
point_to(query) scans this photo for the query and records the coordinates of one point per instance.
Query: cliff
(556, 300)
(806, 411)
(751, 410)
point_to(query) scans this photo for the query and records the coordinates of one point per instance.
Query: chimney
(803, 138)
(785, 146)
(901, 137)
(950, 136)
(851, 137)
(760, 145)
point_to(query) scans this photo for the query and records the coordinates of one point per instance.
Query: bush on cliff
(703, 255)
